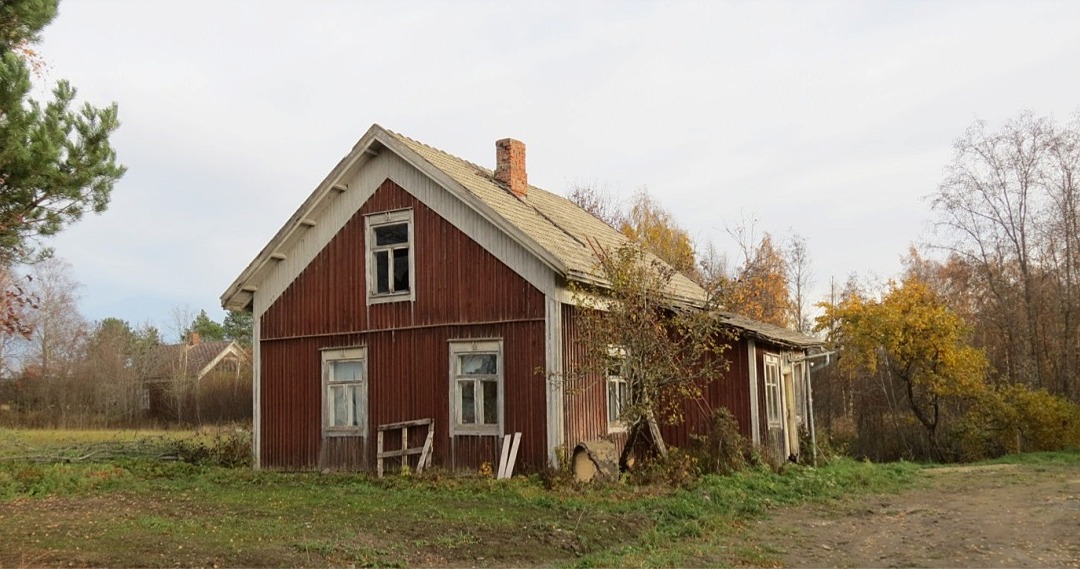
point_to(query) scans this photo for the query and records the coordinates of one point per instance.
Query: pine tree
(56, 162)
(238, 326)
(206, 328)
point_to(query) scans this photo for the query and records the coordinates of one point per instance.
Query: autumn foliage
(759, 290)
(915, 351)
(655, 228)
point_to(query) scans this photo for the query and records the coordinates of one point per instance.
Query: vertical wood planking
(463, 291)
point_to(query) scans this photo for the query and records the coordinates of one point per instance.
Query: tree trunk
(654, 430)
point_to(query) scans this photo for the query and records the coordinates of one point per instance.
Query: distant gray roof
(169, 361)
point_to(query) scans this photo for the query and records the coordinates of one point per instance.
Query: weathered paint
(585, 398)
(553, 338)
(462, 292)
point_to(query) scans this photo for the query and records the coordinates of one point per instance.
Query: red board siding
(456, 281)
(731, 390)
(585, 399)
(462, 292)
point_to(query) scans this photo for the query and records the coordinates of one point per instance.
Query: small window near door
(345, 391)
(772, 389)
(390, 264)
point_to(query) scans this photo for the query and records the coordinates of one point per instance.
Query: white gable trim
(240, 293)
(340, 207)
(317, 219)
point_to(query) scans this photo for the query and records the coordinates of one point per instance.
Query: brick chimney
(195, 339)
(510, 166)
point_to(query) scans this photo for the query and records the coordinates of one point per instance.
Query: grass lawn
(154, 513)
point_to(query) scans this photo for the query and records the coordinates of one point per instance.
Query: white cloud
(831, 119)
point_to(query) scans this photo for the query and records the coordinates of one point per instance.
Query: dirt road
(986, 516)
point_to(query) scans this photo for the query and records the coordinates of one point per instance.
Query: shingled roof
(557, 225)
(557, 231)
(770, 332)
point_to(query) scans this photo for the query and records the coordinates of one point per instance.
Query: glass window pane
(392, 234)
(491, 402)
(612, 401)
(355, 415)
(468, 402)
(478, 364)
(351, 370)
(382, 271)
(340, 406)
(401, 270)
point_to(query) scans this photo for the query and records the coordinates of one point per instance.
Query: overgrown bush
(678, 469)
(1015, 418)
(230, 449)
(722, 450)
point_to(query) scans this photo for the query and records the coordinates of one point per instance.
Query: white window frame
(798, 375)
(371, 223)
(329, 357)
(465, 347)
(773, 409)
(614, 423)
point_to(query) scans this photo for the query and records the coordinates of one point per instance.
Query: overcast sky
(832, 120)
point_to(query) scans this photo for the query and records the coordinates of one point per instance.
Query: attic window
(390, 274)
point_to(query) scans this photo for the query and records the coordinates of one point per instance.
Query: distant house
(412, 284)
(186, 381)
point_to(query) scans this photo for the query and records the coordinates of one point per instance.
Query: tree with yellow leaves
(915, 340)
(655, 228)
(759, 289)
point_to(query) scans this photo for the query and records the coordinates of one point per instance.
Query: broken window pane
(491, 402)
(401, 270)
(468, 402)
(382, 271)
(478, 364)
(392, 234)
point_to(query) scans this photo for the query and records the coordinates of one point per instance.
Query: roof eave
(240, 294)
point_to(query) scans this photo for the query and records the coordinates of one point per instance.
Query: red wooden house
(412, 284)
